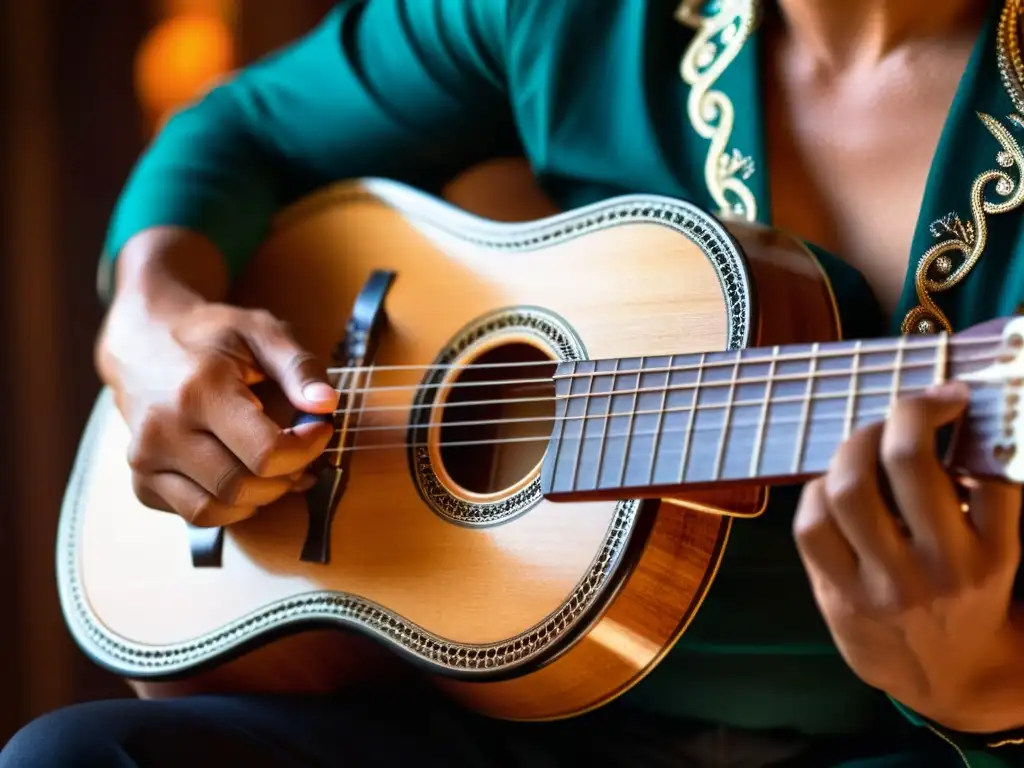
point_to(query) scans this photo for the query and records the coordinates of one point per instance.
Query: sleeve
(411, 90)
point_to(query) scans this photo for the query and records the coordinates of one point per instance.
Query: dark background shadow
(71, 125)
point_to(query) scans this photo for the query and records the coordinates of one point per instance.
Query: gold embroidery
(937, 270)
(1005, 743)
(721, 34)
(1011, 67)
(949, 741)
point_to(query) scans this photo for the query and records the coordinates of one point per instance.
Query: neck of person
(845, 33)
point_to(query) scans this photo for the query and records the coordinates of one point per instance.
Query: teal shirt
(593, 94)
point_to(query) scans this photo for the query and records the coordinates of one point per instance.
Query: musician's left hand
(921, 611)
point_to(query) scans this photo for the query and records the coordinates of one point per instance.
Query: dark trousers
(416, 728)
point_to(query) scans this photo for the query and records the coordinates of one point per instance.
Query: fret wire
(798, 452)
(602, 443)
(726, 418)
(657, 425)
(897, 372)
(557, 442)
(755, 460)
(693, 418)
(583, 427)
(941, 358)
(629, 423)
(851, 399)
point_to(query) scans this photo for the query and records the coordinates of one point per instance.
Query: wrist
(996, 703)
(161, 274)
(166, 270)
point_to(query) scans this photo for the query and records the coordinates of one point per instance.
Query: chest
(850, 156)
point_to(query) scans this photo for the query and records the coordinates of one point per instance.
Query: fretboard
(766, 414)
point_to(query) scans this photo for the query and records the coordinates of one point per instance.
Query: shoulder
(597, 23)
(588, 43)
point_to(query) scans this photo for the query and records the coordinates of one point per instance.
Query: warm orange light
(222, 8)
(180, 59)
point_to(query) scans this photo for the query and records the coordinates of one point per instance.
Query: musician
(858, 623)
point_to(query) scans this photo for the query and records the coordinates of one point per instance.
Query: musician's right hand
(181, 363)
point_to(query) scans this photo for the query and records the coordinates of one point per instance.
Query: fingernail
(304, 483)
(319, 392)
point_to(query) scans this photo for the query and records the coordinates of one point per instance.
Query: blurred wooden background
(72, 122)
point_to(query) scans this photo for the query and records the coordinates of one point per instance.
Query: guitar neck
(642, 427)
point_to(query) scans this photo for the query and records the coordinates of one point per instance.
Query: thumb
(302, 378)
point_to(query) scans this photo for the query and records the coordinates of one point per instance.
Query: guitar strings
(815, 375)
(702, 366)
(775, 400)
(979, 417)
(876, 346)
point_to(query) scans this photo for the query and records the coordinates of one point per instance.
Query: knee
(79, 736)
